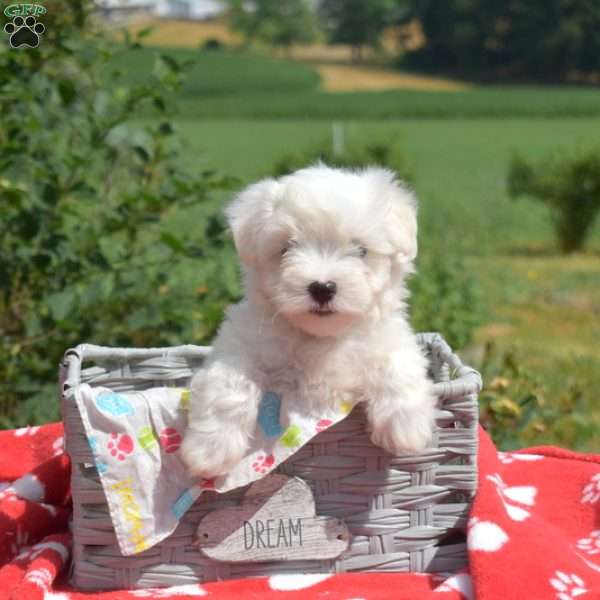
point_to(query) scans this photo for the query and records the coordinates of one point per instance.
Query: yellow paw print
(344, 401)
(291, 436)
(146, 438)
(346, 407)
(184, 401)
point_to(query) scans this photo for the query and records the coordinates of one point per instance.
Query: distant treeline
(534, 40)
(493, 40)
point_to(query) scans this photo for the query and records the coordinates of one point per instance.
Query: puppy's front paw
(403, 434)
(209, 455)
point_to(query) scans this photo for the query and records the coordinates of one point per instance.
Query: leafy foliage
(570, 186)
(515, 411)
(446, 295)
(282, 23)
(85, 195)
(527, 39)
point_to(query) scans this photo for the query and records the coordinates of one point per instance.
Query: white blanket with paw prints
(135, 439)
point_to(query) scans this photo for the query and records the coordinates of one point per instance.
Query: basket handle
(70, 367)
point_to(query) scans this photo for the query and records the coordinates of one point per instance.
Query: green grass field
(222, 74)
(239, 114)
(482, 103)
(233, 85)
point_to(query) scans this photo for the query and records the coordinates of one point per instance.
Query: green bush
(570, 186)
(86, 196)
(446, 295)
(514, 409)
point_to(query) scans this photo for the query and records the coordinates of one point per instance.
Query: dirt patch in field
(171, 33)
(350, 78)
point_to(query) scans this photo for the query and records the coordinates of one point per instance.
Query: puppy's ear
(248, 214)
(400, 206)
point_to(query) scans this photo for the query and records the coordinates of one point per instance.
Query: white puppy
(325, 255)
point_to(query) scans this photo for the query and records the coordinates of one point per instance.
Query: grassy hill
(234, 85)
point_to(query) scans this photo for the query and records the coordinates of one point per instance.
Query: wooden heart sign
(276, 521)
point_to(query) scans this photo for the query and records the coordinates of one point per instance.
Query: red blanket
(534, 533)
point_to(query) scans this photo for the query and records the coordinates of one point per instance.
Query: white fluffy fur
(321, 217)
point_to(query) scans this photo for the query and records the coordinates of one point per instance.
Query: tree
(358, 23)
(86, 194)
(548, 40)
(282, 23)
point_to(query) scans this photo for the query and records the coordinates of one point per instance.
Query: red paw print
(263, 463)
(170, 440)
(207, 484)
(324, 424)
(120, 445)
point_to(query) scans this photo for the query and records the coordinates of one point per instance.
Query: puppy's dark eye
(362, 251)
(289, 244)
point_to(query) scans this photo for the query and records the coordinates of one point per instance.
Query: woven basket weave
(405, 513)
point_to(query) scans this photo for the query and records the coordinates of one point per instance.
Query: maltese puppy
(325, 255)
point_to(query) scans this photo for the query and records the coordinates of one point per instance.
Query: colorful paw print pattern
(102, 467)
(146, 438)
(120, 445)
(263, 464)
(292, 437)
(170, 440)
(114, 404)
(269, 412)
(184, 400)
(323, 424)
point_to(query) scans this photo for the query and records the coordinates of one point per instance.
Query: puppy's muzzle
(322, 292)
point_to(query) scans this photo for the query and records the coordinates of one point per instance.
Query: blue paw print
(268, 414)
(114, 404)
(100, 466)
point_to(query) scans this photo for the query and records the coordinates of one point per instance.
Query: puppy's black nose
(322, 292)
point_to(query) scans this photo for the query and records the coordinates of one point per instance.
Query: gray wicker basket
(405, 513)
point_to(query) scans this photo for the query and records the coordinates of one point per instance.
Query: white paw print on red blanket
(567, 586)
(461, 582)
(486, 536)
(42, 578)
(591, 543)
(507, 458)
(514, 498)
(28, 430)
(591, 492)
